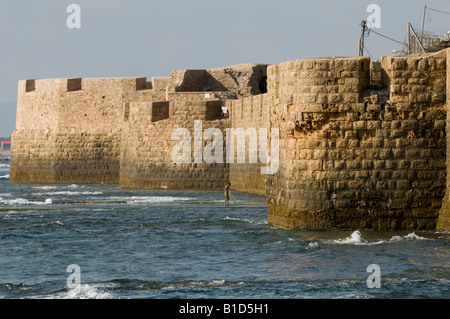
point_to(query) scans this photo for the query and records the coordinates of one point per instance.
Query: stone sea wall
(444, 214)
(356, 155)
(251, 113)
(361, 144)
(68, 130)
(146, 150)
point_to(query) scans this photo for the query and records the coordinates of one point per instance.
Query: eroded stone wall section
(362, 144)
(354, 155)
(147, 145)
(251, 113)
(444, 214)
(69, 130)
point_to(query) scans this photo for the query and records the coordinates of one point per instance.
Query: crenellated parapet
(67, 103)
(72, 129)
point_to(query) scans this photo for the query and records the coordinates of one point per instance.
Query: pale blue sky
(152, 38)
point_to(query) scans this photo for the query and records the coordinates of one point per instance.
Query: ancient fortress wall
(358, 155)
(146, 152)
(68, 130)
(237, 81)
(361, 144)
(444, 214)
(251, 113)
(118, 130)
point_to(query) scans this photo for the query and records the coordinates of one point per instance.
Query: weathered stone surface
(241, 80)
(444, 214)
(362, 145)
(145, 155)
(382, 170)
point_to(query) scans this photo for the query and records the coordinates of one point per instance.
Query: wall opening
(73, 84)
(263, 84)
(160, 111)
(213, 110)
(30, 85)
(141, 84)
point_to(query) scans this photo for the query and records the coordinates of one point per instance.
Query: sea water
(132, 243)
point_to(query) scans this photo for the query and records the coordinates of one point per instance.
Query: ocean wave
(23, 201)
(4, 165)
(14, 288)
(49, 187)
(125, 283)
(45, 187)
(258, 222)
(411, 236)
(81, 292)
(273, 243)
(313, 245)
(151, 199)
(4, 176)
(75, 186)
(356, 239)
(67, 193)
(216, 283)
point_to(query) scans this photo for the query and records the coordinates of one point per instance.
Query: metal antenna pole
(408, 49)
(423, 22)
(361, 40)
(417, 37)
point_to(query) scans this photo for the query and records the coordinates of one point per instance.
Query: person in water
(227, 193)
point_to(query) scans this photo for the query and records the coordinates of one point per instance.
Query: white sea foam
(216, 283)
(258, 222)
(23, 201)
(82, 292)
(4, 176)
(4, 165)
(313, 245)
(45, 187)
(356, 239)
(75, 186)
(274, 243)
(67, 193)
(411, 236)
(151, 199)
(15, 201)
(213, 283)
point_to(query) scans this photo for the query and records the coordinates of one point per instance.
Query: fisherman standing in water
(227, 193)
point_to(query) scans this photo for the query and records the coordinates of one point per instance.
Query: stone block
(403, 184)
(399, 64)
